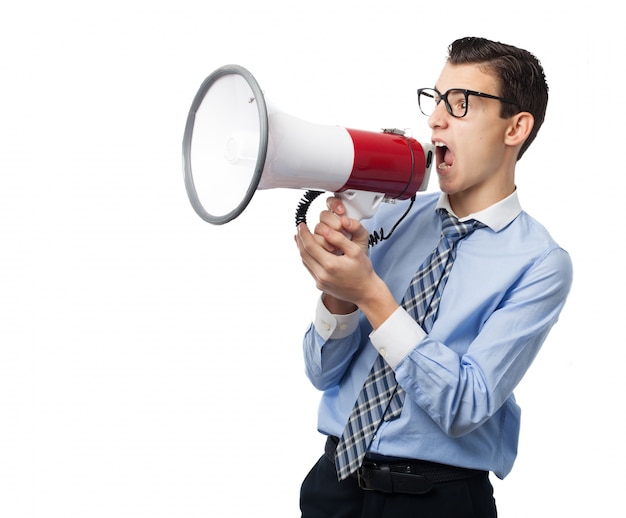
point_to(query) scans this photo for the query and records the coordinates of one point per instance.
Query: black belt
(393, 475)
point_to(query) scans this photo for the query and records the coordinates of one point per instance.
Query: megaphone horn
(236, 143)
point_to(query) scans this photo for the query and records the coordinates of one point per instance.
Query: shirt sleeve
(462, 391)
(329, 345)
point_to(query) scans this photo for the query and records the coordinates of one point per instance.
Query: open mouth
(445, 158)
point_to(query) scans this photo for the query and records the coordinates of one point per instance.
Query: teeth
(440, 144)
(443, 165)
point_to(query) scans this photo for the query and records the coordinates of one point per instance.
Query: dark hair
(519, 74)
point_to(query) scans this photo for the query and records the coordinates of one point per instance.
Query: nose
(439, 116)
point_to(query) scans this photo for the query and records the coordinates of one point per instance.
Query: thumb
(355, 231)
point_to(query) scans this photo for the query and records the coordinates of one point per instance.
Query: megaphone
(236, 142)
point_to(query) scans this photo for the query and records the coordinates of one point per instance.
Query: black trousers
(323, 496)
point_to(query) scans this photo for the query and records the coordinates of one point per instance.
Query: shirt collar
(496, 217)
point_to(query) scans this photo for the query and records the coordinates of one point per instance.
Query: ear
(519, 129)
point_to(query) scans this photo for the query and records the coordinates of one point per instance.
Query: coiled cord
(304, 205)
(378, 236)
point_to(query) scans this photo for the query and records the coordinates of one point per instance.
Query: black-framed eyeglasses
(455, 99)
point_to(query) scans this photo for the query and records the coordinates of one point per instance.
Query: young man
(458, 354)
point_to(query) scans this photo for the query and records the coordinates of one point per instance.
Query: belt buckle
(380, 477)
(373, 477)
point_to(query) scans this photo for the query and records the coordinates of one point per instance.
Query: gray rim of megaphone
(263, 142)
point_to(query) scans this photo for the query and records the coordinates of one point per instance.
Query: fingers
(351, 229)
(311, 248)
(314, 252)
(336, 218)
(324, 240)
(336, 236)
(335, 233)
(335, 205)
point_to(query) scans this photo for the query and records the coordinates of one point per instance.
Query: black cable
(376, 238)
(304, 205)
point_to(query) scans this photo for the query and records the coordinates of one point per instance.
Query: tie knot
(454, 229)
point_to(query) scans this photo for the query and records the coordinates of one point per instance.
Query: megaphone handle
(360, 204)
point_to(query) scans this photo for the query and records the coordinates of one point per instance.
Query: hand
(341, 267)
(335, 217)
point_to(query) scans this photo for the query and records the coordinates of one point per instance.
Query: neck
(464, 204)
(482, 196)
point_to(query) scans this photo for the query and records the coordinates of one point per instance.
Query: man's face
(473, 161)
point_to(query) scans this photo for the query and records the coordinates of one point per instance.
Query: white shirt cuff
(329, 325)
(397, 337)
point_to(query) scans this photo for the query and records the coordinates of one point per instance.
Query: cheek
(481, 146)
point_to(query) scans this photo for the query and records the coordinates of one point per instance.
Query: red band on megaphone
(388, 163)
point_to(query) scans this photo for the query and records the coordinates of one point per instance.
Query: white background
(147, 357)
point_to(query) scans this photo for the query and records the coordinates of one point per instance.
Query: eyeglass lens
(456, 101)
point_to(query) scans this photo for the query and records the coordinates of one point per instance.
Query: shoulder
(528, 237)
(531, 233)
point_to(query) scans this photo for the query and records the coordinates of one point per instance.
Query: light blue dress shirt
(506, 289)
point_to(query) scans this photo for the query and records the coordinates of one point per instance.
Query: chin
(446, 186)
